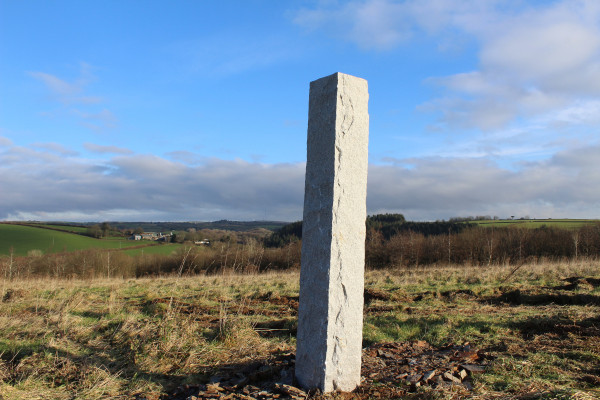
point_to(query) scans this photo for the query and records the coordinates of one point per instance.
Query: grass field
(539, 326)
(66, 228)
(24, 239)
(537, 223)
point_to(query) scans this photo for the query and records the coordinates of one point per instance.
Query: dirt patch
(459, 294)
(373, 294)
(12, 294)
(389, 370)
(578, 282)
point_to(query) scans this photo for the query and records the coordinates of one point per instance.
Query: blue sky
(187, 110)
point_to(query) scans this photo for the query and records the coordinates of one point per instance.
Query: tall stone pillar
(330, 315)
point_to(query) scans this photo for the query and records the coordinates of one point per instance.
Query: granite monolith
(330, 315)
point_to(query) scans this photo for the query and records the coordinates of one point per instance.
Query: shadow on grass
(558, 325)
(517, 297)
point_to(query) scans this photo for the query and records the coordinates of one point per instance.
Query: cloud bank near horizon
(49, 182)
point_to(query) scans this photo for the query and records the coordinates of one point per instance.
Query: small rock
(290, 390)
(472, 368)
(214, 387)
(450, 378)
(384, 354)
(462, 374)
(248, 389)
(428, 375)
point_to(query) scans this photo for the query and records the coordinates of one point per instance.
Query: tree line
(387, 224)
(476, 245)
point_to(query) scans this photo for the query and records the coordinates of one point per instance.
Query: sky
(197, 110)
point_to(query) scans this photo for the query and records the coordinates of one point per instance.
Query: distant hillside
(237, 226)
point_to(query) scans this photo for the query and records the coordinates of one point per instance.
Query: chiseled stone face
(328, 354)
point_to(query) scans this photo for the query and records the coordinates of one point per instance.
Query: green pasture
(66, 228)
(23, 239)
(537, 223)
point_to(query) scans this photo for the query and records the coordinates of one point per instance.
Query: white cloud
(578, 112)
(540, 50)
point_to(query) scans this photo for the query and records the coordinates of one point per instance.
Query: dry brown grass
(114, 338)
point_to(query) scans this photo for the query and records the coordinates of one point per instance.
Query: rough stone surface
(329, 340)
